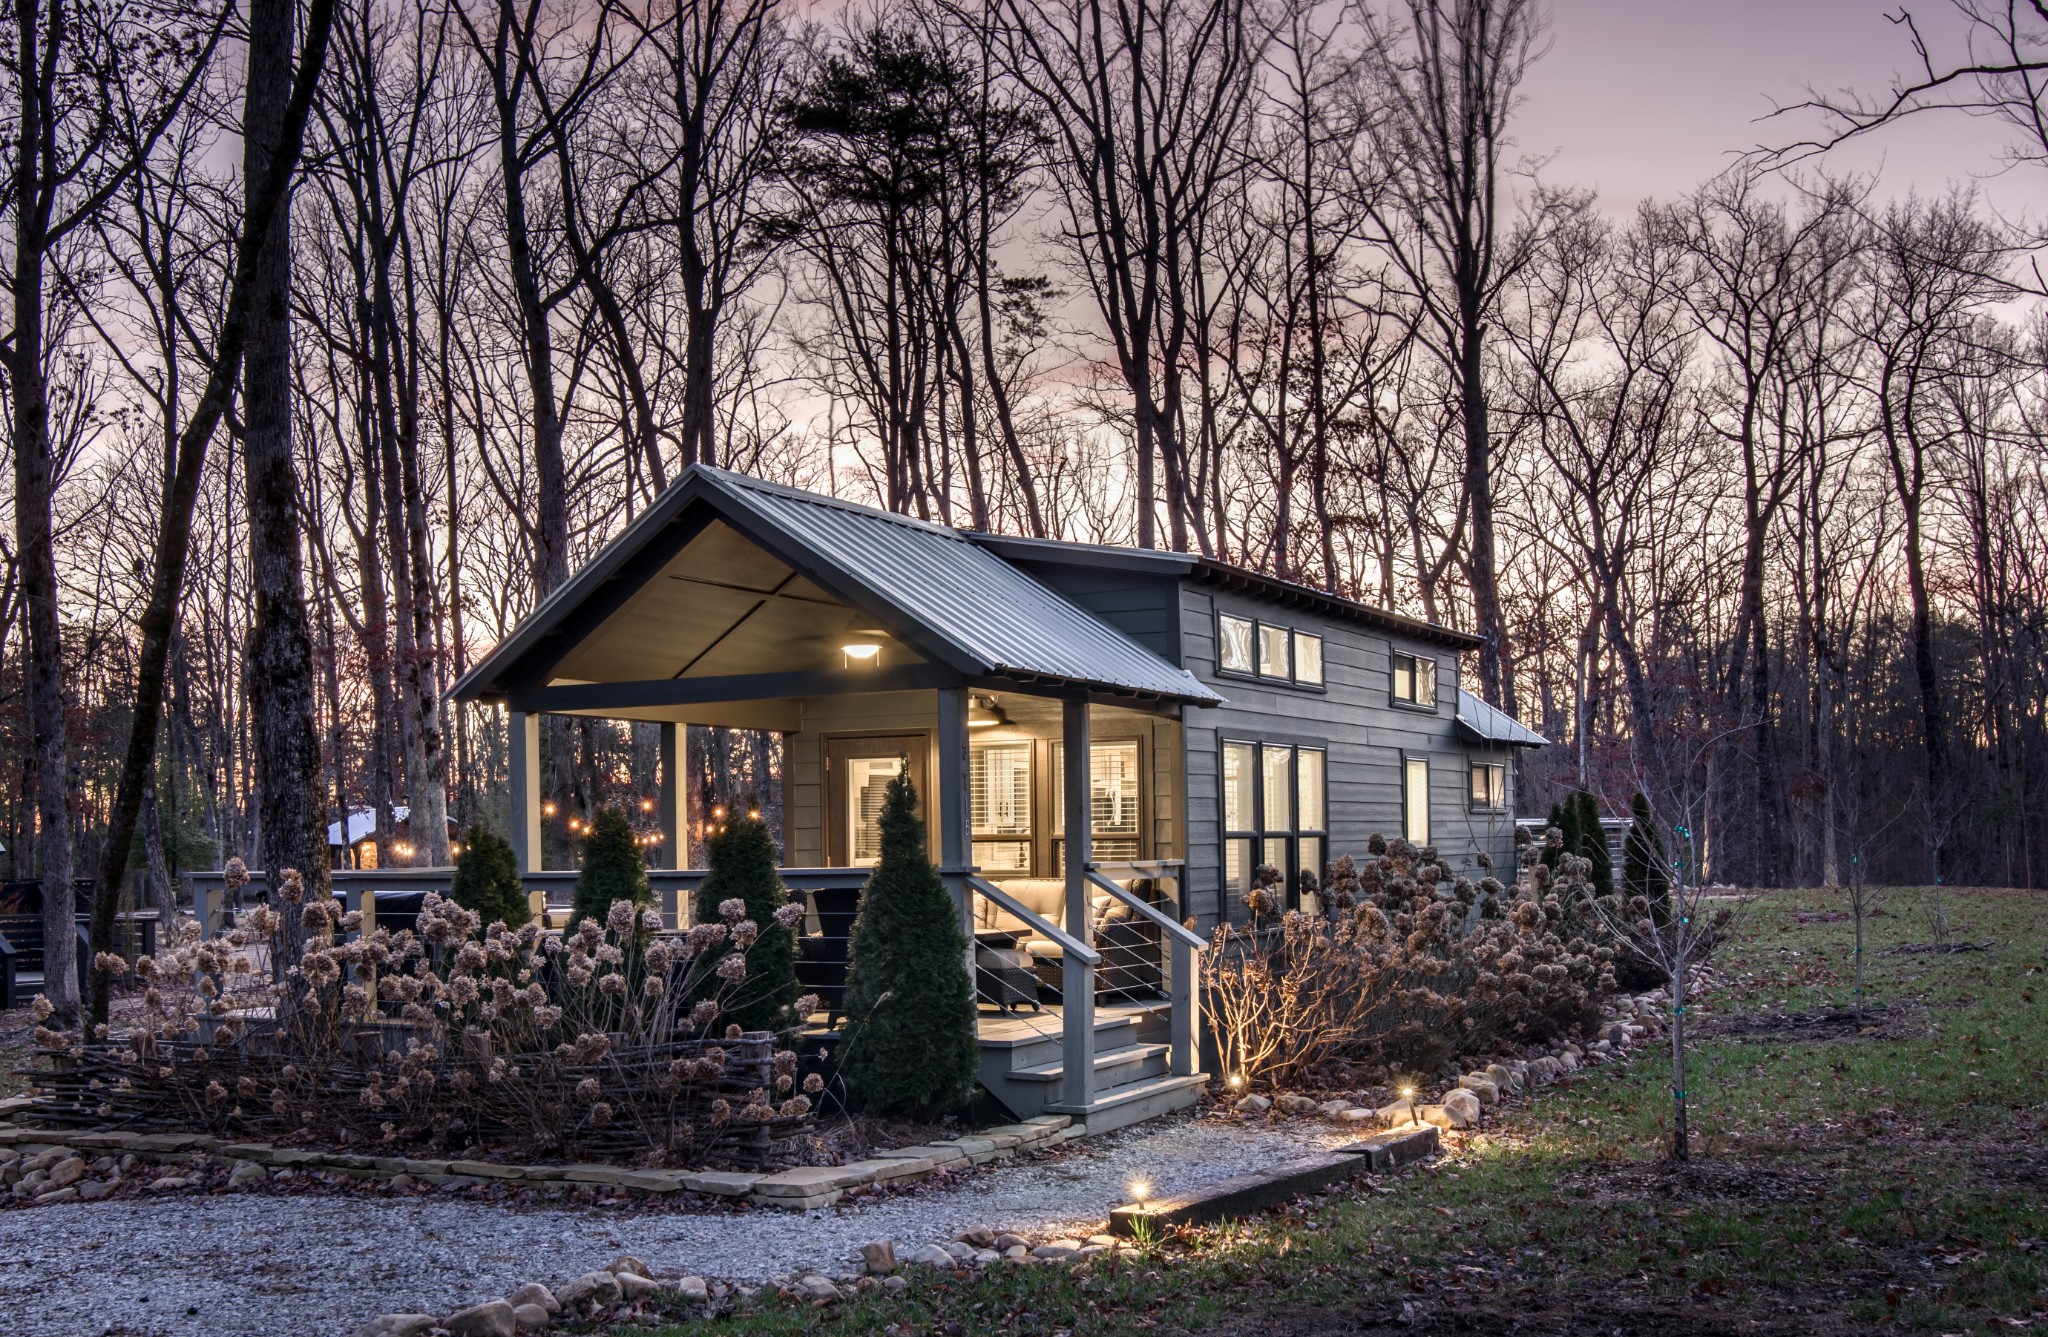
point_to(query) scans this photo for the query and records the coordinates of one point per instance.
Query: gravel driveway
(285, 1266)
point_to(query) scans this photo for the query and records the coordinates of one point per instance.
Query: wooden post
(675, 829)
(949, 805)
(522, 739)
(1077, 979)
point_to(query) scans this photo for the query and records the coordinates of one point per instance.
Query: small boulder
(402, 1180)
(1463, 1106)
(1017, 1253)
(169, 1183)
(815, 1287)
(96, 1189)
(634, 1287)
(981, 1237)
(1294, 1104)
(493, 1318)
(961, 1252)
(57, 1195)
(533, 1293)
(1567, 1061)
(879, 1257)
(627, 1265)
(1481, 1087)
(1253, 1104)
(246, 1173)
(67, 1172)
(531, 1318)
(1503, 1077)
(694, 1289)
(1009, 1241)
(1357, 1115)
(1057, 1250)
(895, 1285)
(593, 1287)
(397, 1325)
(931, 1255)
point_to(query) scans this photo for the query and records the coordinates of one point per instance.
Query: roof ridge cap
(750, 483)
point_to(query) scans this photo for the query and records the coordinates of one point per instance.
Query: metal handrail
(1150, 911)
(1032, 919)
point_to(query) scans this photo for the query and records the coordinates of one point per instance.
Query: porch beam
(523, 745)
(956, 846)
(1077, 977)
(645, 693)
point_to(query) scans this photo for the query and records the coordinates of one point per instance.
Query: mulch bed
(1879, 1021)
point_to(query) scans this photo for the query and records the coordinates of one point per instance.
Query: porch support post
(674, 830)
(1077, 981)
(956, 846)
(523, 776)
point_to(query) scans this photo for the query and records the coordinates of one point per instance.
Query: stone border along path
(802, 1189)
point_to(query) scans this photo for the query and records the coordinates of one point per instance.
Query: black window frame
(1477, 768)
(1292, 678)
(1396, 653)
(1262, 829)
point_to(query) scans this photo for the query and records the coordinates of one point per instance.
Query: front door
(857, 773)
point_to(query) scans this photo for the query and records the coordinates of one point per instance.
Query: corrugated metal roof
(996, 617)
(1484, 723)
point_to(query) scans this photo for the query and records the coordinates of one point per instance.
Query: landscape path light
(1408, 1094)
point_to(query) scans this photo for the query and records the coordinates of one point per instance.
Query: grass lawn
(1842, 1178)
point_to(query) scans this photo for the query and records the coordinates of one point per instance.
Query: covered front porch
(1045, 744)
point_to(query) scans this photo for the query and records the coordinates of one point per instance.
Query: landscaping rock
(595, 1287)
(533, 1293)
(1463, 1103)
(1400, 1114)
(978, 1236)
(635, 1287)
(246, 1173)
(97, 1189)
(931, 1255)
(1057, 1250)
(169, 1182)
(694, 1289)
(530, 1318)
(67, 1172)
(56, 1195)
(1356, 1115)
(1294, 1104)
(1009, 1241)
(895, 1285)
(1482, 1087)
(815, 1287)
(493, 1318)
(626, 1264)
(396, 1325)
(1505, 1078)
(1253, 1104)
(1567, 1061)
(402, 1180)
(1017, 1253)
(962, 1253)
(879, 1257)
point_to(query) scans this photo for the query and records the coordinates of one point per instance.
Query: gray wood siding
(1140, 606)
(1354, 717)
(878, 712)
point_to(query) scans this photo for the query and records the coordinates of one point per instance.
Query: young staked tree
(487, 879)
(741, 858)
(612, 869)
(910, 1044)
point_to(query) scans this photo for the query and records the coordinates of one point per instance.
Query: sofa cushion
(1047, 898)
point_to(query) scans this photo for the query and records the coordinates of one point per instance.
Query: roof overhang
(1479, 722)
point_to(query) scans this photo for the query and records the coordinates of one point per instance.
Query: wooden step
(1106, 1061)
(1134, 1102)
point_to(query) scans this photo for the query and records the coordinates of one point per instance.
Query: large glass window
(1414, 679)
(1308, 658)
(1113, 799)
(999, 803)
(1273, 656)
(1234, 643)
(1275, 806)
(1415, 799)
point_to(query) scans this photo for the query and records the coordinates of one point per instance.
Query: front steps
(1022, 1067)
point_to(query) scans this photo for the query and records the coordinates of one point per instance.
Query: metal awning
(1482, 723)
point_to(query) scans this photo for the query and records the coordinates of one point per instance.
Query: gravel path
(284, 1266)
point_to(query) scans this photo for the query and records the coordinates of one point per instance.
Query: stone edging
(799, 1189)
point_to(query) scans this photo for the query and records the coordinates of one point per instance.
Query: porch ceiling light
(984, 713)
(861, 650)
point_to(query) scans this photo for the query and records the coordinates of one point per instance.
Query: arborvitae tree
(910, 1042)
(741, 857)
(487, 879)
(612, 868)
(1644, 871)
(1564, 817)
(1593, 845)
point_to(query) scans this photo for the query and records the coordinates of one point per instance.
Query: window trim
(1262, 830)
(1399, 702)
(1253, 674)
(1428, 780)
(1474, 766)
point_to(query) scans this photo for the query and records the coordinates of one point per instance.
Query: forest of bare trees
(317, 380)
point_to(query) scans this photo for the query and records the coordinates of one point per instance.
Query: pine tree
(910, 1044)
(487, 879)
(612, 868)
(1643, 869)
(741, 856)
(1593, 845)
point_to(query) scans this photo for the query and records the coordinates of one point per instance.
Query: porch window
(1489, 786)
(1275, 812)
(1414, 680)
(1415, 799)
(1113, 797)
(999, 801)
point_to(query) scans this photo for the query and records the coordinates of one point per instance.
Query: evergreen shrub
(487, 879)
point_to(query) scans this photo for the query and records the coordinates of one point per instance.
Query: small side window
(1233, 643)
(1308, 658)
(1414, 679)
